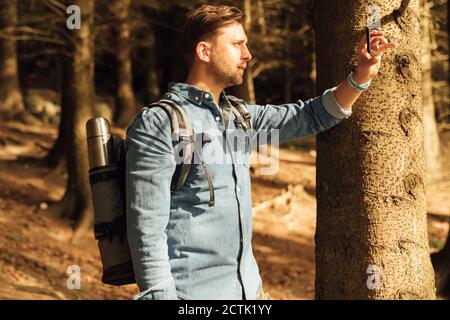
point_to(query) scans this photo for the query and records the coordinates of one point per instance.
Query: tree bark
(125, 100)
(371, 237)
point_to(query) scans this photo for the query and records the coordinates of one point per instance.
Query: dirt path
(35, 250)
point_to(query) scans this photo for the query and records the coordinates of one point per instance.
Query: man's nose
(246, 55)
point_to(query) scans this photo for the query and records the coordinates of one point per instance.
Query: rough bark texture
(430, 129)
(11, 100)
(125, 101)
(371, 237)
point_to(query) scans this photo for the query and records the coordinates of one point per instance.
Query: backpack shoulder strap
(241, 112)
(184, 142)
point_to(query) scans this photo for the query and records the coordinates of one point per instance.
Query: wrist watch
(356, 85)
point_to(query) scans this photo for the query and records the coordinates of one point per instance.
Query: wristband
(357, 86)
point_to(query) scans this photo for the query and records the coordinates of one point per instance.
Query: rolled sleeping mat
(107, 180)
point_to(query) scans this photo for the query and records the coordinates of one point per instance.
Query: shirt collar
(193, 94)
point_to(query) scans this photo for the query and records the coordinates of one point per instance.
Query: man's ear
(203, 51)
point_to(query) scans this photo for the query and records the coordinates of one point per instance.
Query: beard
(225, 74)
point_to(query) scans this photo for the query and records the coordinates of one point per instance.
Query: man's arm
(150, 165)
(299, 119)
(321, 113)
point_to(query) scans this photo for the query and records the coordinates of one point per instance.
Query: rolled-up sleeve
(149, 168)
(332, 105)
(299, 119)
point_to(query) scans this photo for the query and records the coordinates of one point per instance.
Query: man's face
(229, 55)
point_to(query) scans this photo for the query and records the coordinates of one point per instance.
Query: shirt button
(196, 98)
(217, 118)
(207, 95)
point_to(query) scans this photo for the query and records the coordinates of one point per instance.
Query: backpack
(107, 181)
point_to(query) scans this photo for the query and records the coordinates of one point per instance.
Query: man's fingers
(386, 46)
(377, 52)
(380, 44)
(376, 41)
(374, 34)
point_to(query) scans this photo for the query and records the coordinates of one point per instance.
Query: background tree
(125, 108)
(371, 237)
(246, 90)
(431, 136)
(441, 259)
(11, 99)
(81, 89)
(78, 90)
(44, 50)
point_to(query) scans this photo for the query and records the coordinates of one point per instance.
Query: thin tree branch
(38, 38)
(57, 7)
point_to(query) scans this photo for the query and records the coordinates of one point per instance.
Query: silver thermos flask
(100, 143)
(107, 181)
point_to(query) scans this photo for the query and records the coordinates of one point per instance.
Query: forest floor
(35, 250)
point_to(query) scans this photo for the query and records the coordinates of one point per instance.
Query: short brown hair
(203, 23)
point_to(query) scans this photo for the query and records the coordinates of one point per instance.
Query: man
(181, 246)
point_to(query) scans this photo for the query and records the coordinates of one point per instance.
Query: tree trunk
(261, 17)
(371, 237)
(78, 90)
(246, 90)
(430, 129)
(81, 87)
(56, 155)
(11, 99)
(152, 92)
(125, 101)
(288, 67)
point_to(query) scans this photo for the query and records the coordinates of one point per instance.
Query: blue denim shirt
(180, 246)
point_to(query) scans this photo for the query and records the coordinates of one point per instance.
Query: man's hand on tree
(369, 63)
